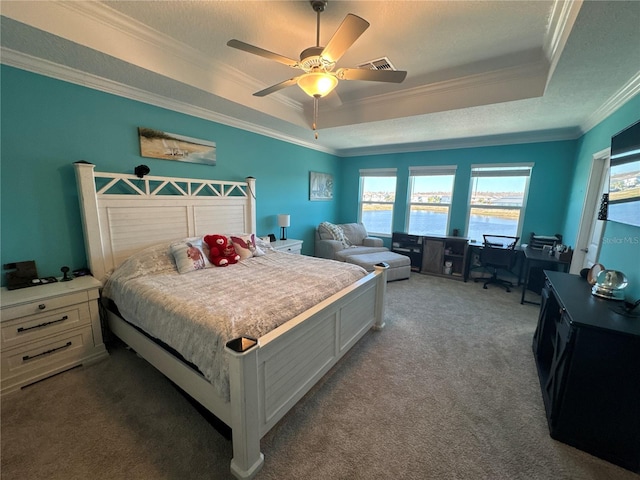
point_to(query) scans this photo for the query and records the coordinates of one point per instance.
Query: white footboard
(268, 376)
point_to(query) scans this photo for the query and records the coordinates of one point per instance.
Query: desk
(533, 257)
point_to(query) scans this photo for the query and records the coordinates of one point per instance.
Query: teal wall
(621, 243)
(548, 188)
(48, 124)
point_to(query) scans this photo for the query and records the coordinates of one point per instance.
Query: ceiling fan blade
(262, 52)
(391, 76)
(276, 87)
(348, 32)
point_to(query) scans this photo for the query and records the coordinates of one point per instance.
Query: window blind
(507, 170)
(378, 172)
(433, 170)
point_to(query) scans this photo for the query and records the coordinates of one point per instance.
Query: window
(498, 199)
(377, 195)
(430, 194)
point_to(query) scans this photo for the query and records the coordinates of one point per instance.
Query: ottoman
(399, 265)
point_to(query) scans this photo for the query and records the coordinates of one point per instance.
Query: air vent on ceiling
(380, 64)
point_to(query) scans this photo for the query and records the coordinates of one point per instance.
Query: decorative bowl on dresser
(47, 329)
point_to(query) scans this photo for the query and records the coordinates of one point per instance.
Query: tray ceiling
(479, 72)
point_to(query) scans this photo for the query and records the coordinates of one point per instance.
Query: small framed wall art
(170, 146)
(320, 186)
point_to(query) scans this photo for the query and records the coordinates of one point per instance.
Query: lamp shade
(284, 220)
(317, 84)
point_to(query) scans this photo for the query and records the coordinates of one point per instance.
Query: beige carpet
(447, 390)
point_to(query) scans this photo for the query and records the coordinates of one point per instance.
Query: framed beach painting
(170, 146)
(320, 186)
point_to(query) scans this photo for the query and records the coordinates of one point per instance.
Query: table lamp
(283, 222)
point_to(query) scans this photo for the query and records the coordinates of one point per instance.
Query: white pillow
(189, 255)
(337, 233)
(245, 246)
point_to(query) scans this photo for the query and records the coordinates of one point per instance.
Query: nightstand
(47, 329)
(289, 246)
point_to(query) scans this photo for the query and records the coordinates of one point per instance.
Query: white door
(597, 229)
(591, 229)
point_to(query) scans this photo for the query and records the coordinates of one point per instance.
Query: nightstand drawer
(288, 246)
(297, 249)
(37, 360)
(34, 327)
(43, 306)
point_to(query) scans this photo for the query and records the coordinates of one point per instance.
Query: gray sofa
(349, 242)
(358, 242)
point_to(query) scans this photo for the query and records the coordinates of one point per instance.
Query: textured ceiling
(479, 72)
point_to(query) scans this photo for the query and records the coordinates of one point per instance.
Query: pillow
(336, 232)
(245, 246)
(189, 255)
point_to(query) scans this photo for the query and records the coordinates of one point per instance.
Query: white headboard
(122, 214)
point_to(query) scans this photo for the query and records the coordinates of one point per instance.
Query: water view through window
(498, 196)
(497, 201)
(430, 193)
(430, 222)
(376, 203)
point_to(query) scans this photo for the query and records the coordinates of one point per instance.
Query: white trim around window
(379, 204)
(441, 205)
(486, 199)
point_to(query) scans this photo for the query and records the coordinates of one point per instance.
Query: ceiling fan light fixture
(317, 84)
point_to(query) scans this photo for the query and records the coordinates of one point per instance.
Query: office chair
(498, 253)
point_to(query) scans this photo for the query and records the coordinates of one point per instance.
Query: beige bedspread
(198, 312)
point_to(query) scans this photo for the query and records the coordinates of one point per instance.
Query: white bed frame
(122, 214)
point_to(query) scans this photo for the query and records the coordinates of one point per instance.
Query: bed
(126, 218)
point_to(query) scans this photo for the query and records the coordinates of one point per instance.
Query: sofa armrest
(372, 242)
(328, 248)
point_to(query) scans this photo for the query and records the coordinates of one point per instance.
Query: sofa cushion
(330, 231)
(399, 265)
(355, 232)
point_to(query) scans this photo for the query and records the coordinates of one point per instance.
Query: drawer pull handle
(31, 357)
(42, 306)
(24, 329)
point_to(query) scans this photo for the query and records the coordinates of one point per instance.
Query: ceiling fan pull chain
(315, 116)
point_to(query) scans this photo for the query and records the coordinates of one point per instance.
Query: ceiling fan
(318, 63)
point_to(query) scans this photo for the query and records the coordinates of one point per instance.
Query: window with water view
(430, 194)
(498, 199)
(377, 195)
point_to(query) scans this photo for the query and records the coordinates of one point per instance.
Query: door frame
(599, 165)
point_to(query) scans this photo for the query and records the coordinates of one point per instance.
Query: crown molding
(472, 142)
(455, 85)
(46, 68)
(563, 17)
(622, 96)
(105, 30)
(53, 70)
(240, 82)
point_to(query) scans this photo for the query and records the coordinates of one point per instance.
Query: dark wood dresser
(588, 358)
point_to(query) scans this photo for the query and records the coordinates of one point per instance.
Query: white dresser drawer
(47, 329)
(43, 306)
(34, 361)
(34, 327)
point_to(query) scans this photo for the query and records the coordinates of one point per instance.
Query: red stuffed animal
(221, 251)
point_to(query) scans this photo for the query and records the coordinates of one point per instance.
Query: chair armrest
(372, 242)
(328, 248)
